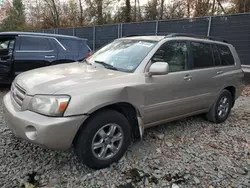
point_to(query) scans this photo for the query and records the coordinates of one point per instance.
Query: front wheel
(103, 140)
(220, 110)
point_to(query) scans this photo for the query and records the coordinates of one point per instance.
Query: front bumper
(50, 132)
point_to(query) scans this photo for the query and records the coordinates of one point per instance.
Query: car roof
(39, 34)
(159, 38)
(150, 38)
(201, 40)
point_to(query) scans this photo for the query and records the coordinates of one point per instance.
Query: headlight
(49, 105)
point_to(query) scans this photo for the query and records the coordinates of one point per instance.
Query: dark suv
(22, 51)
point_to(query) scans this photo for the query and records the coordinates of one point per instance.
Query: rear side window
(69, 44)
(202, 55)
(35, 44)
(225, 55)
(216, 56)
(84, 47)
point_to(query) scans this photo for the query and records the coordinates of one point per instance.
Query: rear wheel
(103, 140)
(221, 109)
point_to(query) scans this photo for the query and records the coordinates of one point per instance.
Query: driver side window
(174, 53)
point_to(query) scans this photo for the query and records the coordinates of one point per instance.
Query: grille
(18, 94)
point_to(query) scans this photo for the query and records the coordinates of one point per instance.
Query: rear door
(6, 55)
(33, 52)
(205, 74)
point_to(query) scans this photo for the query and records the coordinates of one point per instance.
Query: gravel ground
(187, 153)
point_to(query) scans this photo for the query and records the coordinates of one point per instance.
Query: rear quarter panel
(232, 75)
(239, 74)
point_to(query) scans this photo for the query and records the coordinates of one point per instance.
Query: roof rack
(132, 35)
(196, 36)
(139, 35)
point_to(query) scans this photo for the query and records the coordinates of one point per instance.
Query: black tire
(85, 136)
(213, 114)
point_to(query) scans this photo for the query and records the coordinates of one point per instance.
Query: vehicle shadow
(4, 87)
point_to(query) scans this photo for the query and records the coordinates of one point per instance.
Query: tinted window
(202, 55)
(216, 56)
(6, 43)
(225, 55)
(69, 44)
(83, 47)
(174, 53)
(35, 44)
(11, 44)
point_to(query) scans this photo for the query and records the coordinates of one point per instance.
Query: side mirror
(158, 68)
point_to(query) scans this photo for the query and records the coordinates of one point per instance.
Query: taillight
(89, 53)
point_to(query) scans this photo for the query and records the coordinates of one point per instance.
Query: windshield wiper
(106, 65)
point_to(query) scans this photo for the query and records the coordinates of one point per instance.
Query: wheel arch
(232, 90)
(132, 114)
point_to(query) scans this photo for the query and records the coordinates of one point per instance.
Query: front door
(173, 95)
(6, 53)
(33, 52)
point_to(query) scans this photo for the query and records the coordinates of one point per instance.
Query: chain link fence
(234, 28)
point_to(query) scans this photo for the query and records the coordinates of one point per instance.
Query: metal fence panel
(195, 25)
(51, 31)
(140, 28)
(236, 30)
(105, 34)
(38, 31)
(65, 31)
(85, 32)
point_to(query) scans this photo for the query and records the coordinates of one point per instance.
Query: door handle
(188, 77)
(220, 72)
(49, 56)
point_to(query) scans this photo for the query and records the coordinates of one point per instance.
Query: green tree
(81, 19)
(15, 19)
(73, 12)
(127, 11)
(202, 7)
(151, 12)
(241, 6)
(98, 11)
(54, 11)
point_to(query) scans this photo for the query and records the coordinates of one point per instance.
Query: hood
(50, 79)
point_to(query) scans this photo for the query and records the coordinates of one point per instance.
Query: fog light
(31, 132)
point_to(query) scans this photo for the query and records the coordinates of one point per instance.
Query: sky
(2, 1)
(142, 2)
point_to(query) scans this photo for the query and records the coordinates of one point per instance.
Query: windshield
(123, 55)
